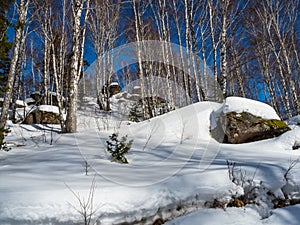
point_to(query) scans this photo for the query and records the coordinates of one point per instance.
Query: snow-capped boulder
(43, 114)
(21, 104)
(242, 120)
(114, 88)
(137, 90)
(239, 104)
(30, 101)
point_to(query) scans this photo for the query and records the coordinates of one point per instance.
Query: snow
(238, 104)
(231, 216)
(21, 103)
(114, 84)
(29, 100)
(294, 120)
(175, 169)
(48, 108)
(289, 139)
(289, 215)
(18, 102)
(37, 92)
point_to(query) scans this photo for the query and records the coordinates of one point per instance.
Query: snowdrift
(175, 167)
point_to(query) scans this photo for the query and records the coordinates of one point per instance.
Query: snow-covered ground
(246, 215)
(176, 171)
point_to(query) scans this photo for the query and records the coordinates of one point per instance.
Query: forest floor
(176, 173)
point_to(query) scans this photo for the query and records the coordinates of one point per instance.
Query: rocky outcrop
(38, 116)
(114, 88)
(237, 128)
(21, 104)
(111, 89)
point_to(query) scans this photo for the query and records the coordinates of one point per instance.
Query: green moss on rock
(236, 128)
(276, 124)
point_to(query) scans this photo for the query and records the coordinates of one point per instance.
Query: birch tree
(214, 43)
(103, 33)
(277, 23)
(58, 51)
(177, 17)
(223, 54)
(80, 10)
(19, 35)
(18, 76)
(138, 25)
(283, 17)
(161, 16)
(51, 18)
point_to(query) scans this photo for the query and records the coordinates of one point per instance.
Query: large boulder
(21, 104)
(136, 90)
(114, 88)
(241, 120)
(237, 128)
(43, 114)
(111, 89)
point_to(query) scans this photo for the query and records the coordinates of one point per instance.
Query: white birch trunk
(214, 48)
(139, 51)
(187, 77)
(176, 17)
(46, 69)
(224, 6)
(287, 64)
(76, 69)
(22, 12)
(58, 89)
(62, 51)
(286, 101)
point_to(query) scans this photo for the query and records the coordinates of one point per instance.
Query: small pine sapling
(134, 113)
(118, 148)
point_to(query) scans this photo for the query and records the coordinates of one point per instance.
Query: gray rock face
(41, 117)
(237, 128)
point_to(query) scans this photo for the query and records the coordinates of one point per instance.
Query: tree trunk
(224, 7)
(187, 46)
(139, 51)
(76, 68)
(22, 12)
(58, 90)
(182, 59)
(46, 69)
(214, 48)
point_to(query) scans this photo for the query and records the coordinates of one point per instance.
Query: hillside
(174, 168)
